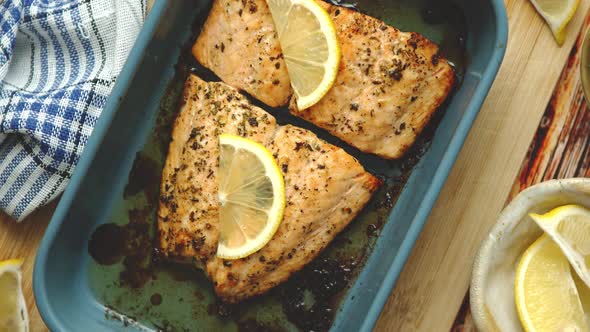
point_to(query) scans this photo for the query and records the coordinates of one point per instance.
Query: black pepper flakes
(396, 74)
(285, 168)
(354, 106)
(435, 58)
(194, 133)
(198, 242)
(253, 8)
(253, 122)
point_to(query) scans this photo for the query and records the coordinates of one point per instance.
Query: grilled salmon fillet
(325, 189)
(239, 43)
(388, 86)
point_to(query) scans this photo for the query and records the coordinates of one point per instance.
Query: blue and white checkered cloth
(58, 62)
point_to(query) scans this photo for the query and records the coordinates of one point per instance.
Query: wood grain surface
(560, 148)
(21, 240)
(432, 287)
(433, 284)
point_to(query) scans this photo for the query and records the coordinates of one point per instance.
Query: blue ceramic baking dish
(62, 289)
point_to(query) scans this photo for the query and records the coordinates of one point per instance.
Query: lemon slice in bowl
(545, 292)
(13, 309)
(569, 227)
(557, 14)
(310, 47)
(251, 197)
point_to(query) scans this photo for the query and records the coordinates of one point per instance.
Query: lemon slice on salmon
(251, 197)
(545, 292)
(310, 47)
(13, 309)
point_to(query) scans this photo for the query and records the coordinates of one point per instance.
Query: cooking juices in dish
(310, 298)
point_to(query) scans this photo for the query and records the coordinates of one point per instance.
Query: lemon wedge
(13, 309)
(545, 292)
(569, 227)
(310, 47)
(557, 13)
(251, 197)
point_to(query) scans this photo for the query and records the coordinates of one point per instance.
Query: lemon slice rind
(550, 223)
(274, 213)
(557, 21)
(330, 64)
(557, 301)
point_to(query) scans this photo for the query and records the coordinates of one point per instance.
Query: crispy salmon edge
(449, 72)
(166, 253)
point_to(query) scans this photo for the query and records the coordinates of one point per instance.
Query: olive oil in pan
(138, 288)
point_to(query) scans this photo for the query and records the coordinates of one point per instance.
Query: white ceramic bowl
(492, 282)
(585, 66)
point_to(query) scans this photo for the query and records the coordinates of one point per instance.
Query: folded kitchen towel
(58, 63)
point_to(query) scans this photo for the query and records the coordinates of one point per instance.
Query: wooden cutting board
(560, 148)
(432, 287)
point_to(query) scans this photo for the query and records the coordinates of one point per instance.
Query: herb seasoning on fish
(270, 312)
